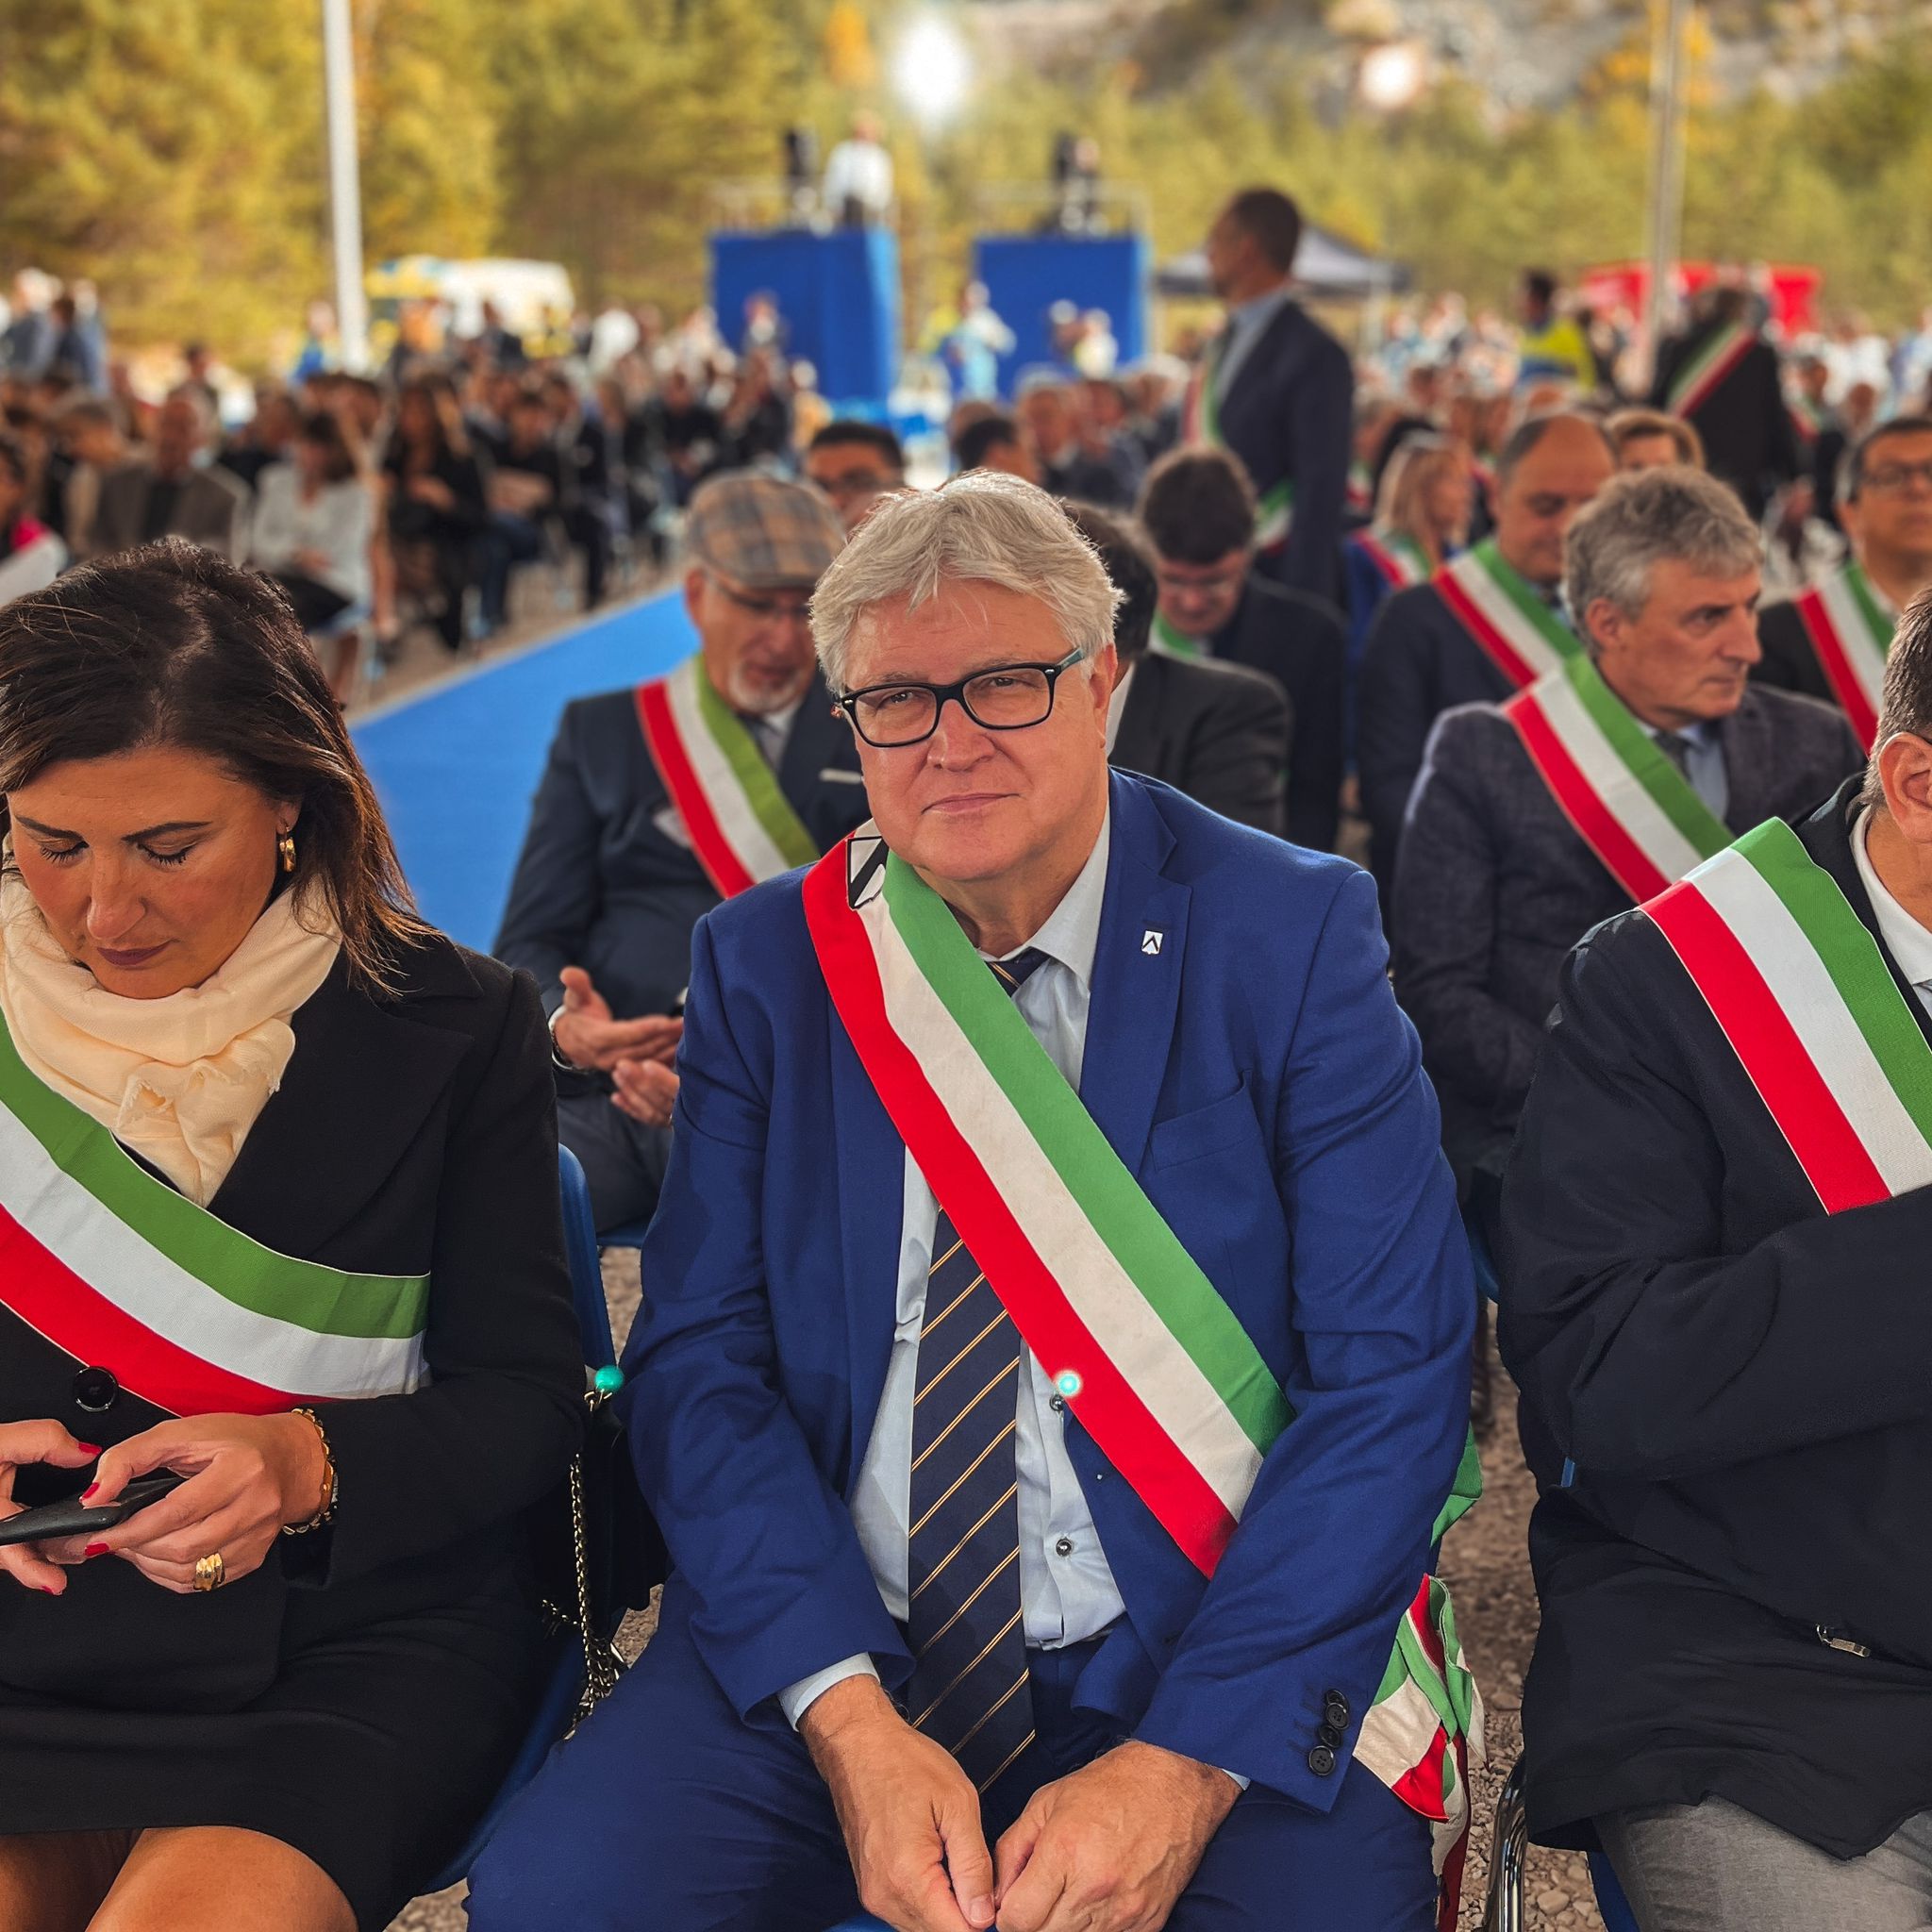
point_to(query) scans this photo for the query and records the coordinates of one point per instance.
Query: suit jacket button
(1335, 1710)
(1330, 1734)
(95, 1390)
(1321, 1761)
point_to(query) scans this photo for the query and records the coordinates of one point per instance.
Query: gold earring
(285, 844)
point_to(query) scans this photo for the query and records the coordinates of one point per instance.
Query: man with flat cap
(658, 803)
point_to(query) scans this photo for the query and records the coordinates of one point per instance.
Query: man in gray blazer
(1494, 884)
(169, 494)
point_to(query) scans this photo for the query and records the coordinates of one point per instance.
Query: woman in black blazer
(278, 1211)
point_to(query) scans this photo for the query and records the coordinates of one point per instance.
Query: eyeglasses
(769, 608)
(1889, 479)
(857, 483)
(1008, 697)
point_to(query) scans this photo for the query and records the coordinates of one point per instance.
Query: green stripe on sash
(1670, 791)
(1850, 954)
(1523, 594)
(1188, 1305)
(755, 775)
(233, 1264)
(1876, 622)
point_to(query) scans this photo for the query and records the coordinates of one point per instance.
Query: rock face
(1516, 54)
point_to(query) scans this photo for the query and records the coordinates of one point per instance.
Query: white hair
(1647, 517)
(983, 527)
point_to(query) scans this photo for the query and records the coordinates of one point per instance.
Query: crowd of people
(1068, 1222)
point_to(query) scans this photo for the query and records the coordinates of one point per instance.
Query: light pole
(344, 184)
(1666, 213)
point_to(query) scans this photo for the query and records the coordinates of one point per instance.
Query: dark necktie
(969, 1687)
(1677, 747)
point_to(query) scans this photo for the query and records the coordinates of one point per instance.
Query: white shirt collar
(1906, 940)
(1070, 935)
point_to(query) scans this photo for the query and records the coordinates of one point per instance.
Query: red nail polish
(95, 1550)
(89, 1491)
(46, 1590)
(88, 1448)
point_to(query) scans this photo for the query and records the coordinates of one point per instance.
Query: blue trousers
(668, 1813)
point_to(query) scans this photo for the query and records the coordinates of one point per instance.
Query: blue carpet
(454, 767)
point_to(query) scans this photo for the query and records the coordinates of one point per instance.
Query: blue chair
(558, 1708)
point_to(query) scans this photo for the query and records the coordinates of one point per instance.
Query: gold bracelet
(326, 1511)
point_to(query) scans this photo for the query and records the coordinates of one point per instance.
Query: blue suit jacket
(1256, 1076)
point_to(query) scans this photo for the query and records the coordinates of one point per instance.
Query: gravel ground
(1484, 1561)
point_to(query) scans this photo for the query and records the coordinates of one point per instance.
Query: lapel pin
(1150, 942)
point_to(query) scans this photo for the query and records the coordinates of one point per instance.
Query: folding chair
(1503, 1907)
(558, 1707)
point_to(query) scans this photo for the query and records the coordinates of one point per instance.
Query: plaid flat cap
(763, 532)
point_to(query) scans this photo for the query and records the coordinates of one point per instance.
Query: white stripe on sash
(1809, 999)
(1503, 611)
(164, 1297)
(1160, 1372)
(1863, 653)
(1612, 780)
(742, 830)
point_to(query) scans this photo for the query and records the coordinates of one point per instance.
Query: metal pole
(344, 184)
(1666, 211)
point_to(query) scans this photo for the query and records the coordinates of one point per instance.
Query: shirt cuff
(796, 1699)
(1234, 1774)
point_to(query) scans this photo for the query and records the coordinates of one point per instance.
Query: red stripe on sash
(1383, 560)
(1583, 806)
(1827, 1146)
(1505, 655)
(1106, 1406)
(79, 1321)
(708, 839)
(1832, 661)
(1705, 387)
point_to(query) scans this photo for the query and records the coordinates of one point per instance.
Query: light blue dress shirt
(1245, 326)
(1067, 1590)
(1705, 766)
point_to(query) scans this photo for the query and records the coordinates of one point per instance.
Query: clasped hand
(637, 1053)
(247, 1475)
(1108, 1849)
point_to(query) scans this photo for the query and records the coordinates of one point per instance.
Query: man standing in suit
(1218, 732)
(1715, 1225)
(1039, 1153)
(1598, 786)
(1486, 624)
(1198, 511)
(1830, 641)
(659, 801)
(1724, 379)
(170, 494)
(1276, 389)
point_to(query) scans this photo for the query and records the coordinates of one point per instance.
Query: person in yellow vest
(1551, 345)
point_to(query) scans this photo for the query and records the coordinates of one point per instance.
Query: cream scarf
(179, 1080)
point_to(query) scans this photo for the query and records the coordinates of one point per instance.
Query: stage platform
(455, 765)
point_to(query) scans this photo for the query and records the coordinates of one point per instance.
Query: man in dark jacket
(1218, 732)
(1198, 511)
(1276, 389)
(614, 876)
(1431, 648)
(1495, 883)
(1725, 381)
(1714, 1302)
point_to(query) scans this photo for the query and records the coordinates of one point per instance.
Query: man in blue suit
(981, 1609)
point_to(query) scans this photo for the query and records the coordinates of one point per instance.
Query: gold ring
(208, 1574)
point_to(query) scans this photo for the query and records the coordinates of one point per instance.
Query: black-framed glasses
(1006, 697)
(1890, 479)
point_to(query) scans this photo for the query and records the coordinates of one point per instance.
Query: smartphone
(53, 1520)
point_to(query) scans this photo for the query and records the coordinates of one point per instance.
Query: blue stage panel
(838, 294)
(1026, 274)
(455, 768)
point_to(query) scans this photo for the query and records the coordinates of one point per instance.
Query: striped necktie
(969, 1685)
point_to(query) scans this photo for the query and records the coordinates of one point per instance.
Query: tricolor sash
(742, 828)
(1400, 558)
(1808, 418)
(1806, 1000)
(1629, 804)
(1692, 387)
(1175, 643)
(1850, 628)
(120, 1272)
(1502, 610)
(1358, 494)
(1139, 1343)
(1201, 420)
